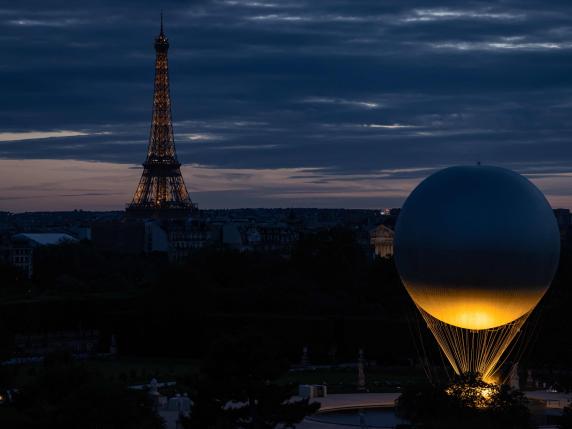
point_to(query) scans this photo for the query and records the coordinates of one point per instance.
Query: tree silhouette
(68, 397)
(239, 390)
(467, 402)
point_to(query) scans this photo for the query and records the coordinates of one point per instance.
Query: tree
(331, 259)
(12, 279)
(566, 422)
(6, 342)
(238, 388)
(68, 397)
(468, 402)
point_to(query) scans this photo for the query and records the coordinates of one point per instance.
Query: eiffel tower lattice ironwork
(161, 192)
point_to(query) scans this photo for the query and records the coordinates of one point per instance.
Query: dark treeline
(330, 295)
(71, 396)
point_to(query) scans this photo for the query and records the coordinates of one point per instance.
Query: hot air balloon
(476, 248)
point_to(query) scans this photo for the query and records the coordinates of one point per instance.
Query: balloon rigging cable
(475, 351)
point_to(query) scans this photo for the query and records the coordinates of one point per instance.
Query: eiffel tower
(161, 192)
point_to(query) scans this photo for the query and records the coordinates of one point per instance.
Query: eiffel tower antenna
(161, 192)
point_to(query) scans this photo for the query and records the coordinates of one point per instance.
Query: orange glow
(475, 309)
(475, 396)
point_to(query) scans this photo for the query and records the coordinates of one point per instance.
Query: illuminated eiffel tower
(161, 192)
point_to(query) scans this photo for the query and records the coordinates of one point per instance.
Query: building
(5, 249)
(192, 235)
(119, 236)
(381, 239)
(23, 247)
(144, 236)
(563, 220)
(276, 237)
(81, 342)
(232, 237)
(156, 238)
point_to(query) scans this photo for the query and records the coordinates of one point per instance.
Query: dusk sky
(282, 103)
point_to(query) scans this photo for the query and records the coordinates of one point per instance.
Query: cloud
(254, 4)
(389, 126)
(34, 135)
(440, 14)
(341, 101)
(200, 137)
(45, 23)
(500, 45)
(279, 17)
(342, 91)
(69, 185)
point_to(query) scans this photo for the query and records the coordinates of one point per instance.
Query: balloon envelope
(476, 246)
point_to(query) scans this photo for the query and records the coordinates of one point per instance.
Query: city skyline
(275, 105)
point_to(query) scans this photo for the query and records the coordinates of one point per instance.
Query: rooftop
(45, 239)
